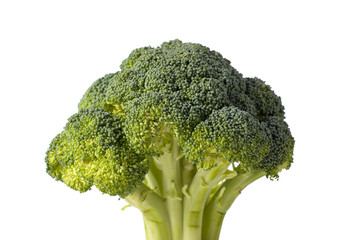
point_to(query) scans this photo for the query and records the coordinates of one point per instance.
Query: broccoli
(178, 133)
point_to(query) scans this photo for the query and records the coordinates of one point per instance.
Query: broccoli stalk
(183, 197)
(188, 211)
(178, 133)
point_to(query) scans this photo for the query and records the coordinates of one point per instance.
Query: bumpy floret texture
(232, 134)
(185, 90)
(92, 151)
(191, 89)
(95, 95)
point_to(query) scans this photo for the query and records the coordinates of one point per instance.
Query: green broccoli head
(177, 122)
(187, 87)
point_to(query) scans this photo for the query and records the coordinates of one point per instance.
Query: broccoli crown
(179, 89)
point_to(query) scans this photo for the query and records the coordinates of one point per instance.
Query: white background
(308, 51)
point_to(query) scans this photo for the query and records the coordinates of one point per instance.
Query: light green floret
(92, 151)
(178, 133)
(95, 96)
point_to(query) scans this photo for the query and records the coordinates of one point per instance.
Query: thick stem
(155, 215)
(196, 197)
(172, 187)
(222, 200)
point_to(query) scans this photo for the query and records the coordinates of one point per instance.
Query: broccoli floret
(92, 151)
(178, 133)
(95, 95)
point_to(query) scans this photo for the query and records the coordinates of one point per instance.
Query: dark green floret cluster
(179, 133)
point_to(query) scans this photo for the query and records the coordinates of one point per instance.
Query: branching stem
(180, 202)
(172, 185)
(197, 195)
(155, 215)
(222, 200)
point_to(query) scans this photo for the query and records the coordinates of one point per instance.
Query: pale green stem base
(222, 200)
(155, 215)
(196, 197)
(179, 202)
